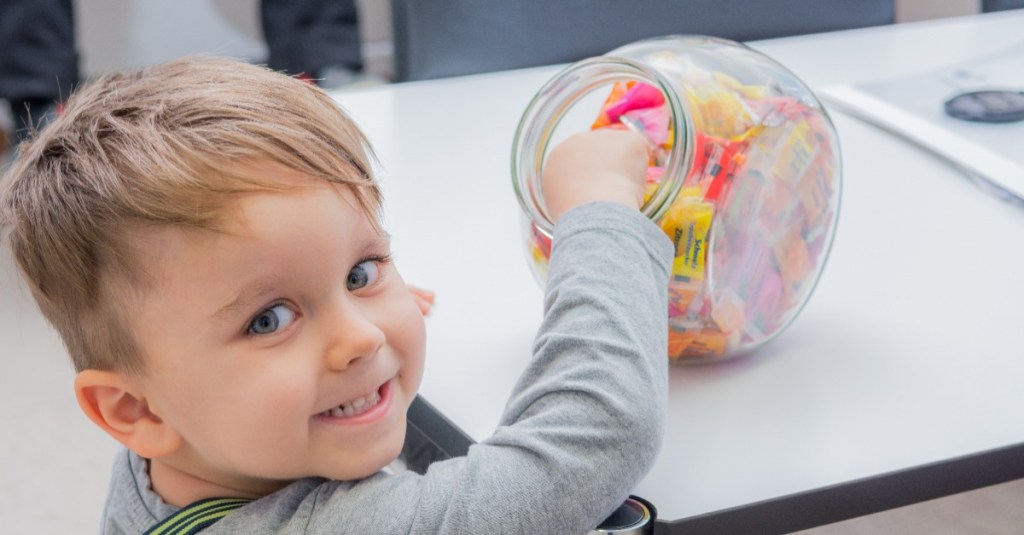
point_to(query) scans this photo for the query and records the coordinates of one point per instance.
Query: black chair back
(1000, 5)
(439, 38)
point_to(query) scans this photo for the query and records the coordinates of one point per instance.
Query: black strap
(197, 516)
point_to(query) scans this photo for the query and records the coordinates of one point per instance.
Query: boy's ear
(113, 402)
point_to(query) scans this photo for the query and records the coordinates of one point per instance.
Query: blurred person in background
(317, 40)
(38, 61)
(314, 39)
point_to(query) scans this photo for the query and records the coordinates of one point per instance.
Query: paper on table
(913, 107)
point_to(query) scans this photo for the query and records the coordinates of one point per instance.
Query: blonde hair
(160, 145)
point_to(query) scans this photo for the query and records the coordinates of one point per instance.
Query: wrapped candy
(754, 214)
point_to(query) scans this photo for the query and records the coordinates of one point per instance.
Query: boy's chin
(374, 462)
(361, 472)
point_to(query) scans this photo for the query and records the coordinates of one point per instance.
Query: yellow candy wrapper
(688, 224)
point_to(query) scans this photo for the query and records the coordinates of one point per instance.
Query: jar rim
(550, 105)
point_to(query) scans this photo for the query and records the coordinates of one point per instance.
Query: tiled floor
(995, 510)
(55, 462)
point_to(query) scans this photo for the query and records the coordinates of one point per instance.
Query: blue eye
(365, 273)
(271, 320)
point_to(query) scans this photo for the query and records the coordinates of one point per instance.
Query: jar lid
(552, 103)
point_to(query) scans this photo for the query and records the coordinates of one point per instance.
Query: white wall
(113, 34)
(912, 10)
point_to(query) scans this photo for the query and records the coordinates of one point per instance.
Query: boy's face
(287, 346)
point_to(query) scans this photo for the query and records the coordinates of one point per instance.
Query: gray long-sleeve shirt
(582, 426)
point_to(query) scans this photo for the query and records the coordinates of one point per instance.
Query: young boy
(204, 235)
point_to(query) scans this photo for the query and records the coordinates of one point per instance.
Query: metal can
(635, 516)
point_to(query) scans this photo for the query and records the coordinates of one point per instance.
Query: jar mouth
(560, 94)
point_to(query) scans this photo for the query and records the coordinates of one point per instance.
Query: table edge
(859, 497)
(803, 510)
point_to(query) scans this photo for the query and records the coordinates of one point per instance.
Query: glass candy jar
(744, 178)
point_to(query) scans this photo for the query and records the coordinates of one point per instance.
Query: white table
(900, 381)
(909, 353)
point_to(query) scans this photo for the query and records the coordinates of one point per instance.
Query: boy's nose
(354, 337)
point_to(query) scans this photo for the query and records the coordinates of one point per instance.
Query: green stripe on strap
(197, 516)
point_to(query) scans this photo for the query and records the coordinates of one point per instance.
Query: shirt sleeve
(581, 427)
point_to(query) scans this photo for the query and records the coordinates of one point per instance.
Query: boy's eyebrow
(250, 293)
(380, 238)
(246, 297)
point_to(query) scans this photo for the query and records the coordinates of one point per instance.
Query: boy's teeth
(354, 407)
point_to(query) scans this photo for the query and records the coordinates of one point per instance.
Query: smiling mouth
(356, 406)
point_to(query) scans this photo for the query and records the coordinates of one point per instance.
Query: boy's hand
(424, 298)
(599, 165)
